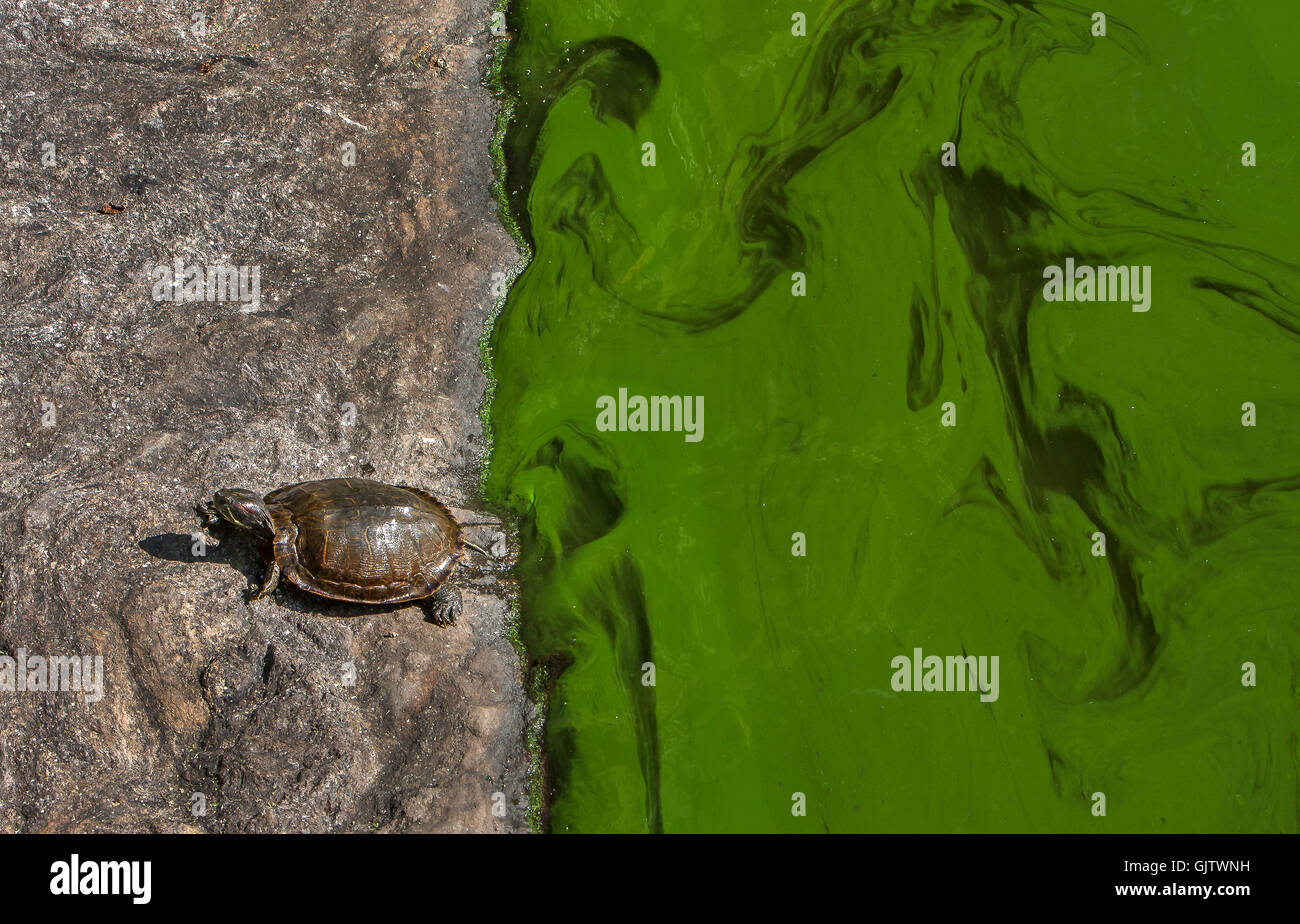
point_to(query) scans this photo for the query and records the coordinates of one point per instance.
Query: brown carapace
(353, 539)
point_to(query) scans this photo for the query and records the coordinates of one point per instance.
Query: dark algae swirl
(902, 414)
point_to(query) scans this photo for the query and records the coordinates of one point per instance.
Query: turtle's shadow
(233, 550)
(242, 555)
(180, 547)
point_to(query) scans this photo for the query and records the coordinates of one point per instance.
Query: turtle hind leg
(443, 608)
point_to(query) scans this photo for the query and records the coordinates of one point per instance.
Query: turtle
(352, 539)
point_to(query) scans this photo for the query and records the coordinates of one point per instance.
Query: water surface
(821, 155)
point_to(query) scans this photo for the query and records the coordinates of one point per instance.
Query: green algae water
(902, 414)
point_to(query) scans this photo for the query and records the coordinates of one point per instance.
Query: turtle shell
(363, 541)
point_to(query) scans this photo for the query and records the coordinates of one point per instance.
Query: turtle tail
(482, 551)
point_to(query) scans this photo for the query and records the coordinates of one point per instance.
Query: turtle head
(244, 509)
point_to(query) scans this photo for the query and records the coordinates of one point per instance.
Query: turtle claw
(209, 517)
(445, 606)
(269, 583)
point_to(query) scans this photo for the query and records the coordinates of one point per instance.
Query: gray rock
(121, 409)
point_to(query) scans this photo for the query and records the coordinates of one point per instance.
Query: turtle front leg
(270, 581)
(445, 606)
(210, 519)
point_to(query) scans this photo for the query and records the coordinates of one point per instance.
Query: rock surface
(133, 136)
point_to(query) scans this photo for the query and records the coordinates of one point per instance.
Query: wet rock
(324, 151)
